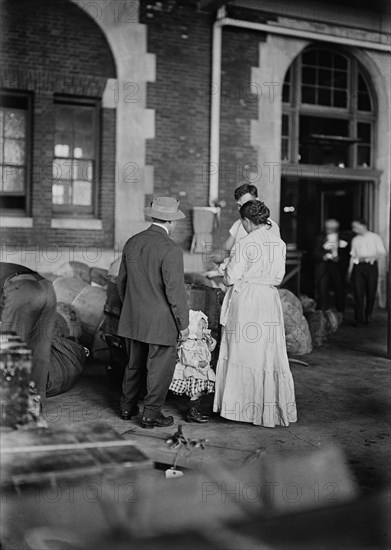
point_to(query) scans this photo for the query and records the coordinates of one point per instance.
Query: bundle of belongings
(67, 362)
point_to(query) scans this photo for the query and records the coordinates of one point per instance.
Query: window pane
(316, 147)
(62, 193)
(63, 118)
(14, 123)
(82, 193)
(84, 119)
(84, 146)
(324, 96)
(82, 170)
(361, 84)
(310, 58)
(10, 202)
(308, 75)
(363, 155)
(286, 93)
(63, 144)
(285, 149)
(325, 58)
(308, 94)
(14, 151)
(364, 132)
(364, 102)
(12, 179)
(340, 98)
(340, 61)
(285, 125)
(62, 169)
(324, 77)
(340, 79)
(62, 149)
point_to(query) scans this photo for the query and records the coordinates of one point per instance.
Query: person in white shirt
(244, 193)
(367, 248)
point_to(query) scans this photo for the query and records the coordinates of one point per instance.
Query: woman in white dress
(253, 379)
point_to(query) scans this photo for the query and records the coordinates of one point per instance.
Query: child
(193, 374)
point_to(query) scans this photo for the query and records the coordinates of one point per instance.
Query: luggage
(318, 327)
(297, 332)
(67, 362)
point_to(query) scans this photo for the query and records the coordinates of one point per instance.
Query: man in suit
(154, 311)
(331, 257)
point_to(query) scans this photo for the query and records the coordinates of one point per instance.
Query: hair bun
(256, 211)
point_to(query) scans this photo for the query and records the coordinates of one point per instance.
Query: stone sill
(16, 221)
(76, 223)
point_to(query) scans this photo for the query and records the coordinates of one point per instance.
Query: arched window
(328, 111)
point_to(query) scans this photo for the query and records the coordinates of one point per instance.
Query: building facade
(107, 103)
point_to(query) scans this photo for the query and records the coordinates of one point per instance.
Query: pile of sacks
(81, 296)
(305, 326)
(322, 324)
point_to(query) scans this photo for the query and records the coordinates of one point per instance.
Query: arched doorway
(327, 147)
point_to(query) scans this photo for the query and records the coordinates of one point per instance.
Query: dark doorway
(307, 203)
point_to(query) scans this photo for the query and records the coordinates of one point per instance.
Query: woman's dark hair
(244, 189)
(256, 211)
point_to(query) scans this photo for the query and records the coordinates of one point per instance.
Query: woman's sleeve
(236, 265)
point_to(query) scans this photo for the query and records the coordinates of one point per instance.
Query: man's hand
(184, 334)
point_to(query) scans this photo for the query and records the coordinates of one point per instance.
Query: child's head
(198, 324)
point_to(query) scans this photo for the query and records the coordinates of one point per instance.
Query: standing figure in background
(28, 307)
(331, 264)
(154, 313)
(367, 249)
(193, 374)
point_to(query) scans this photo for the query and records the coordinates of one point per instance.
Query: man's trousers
(29, 309)
(331, 277)
(364, 282)
(158, 364)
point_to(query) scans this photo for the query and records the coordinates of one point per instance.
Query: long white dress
(253, 379)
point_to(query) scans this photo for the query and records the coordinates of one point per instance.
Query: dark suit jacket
(318, 253)
(151, 286)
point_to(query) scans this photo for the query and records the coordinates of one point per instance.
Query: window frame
(295, 108)
(24, 212)
(79, 211)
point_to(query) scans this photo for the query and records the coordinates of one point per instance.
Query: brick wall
(239, 105)
(180, 37)
(52, 48)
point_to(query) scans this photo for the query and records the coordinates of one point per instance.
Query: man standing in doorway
(154, 313)
(367, 249)
(331, 266)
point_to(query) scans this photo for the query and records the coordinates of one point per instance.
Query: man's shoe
(127, 415)
(158, 422)
(194, 414)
